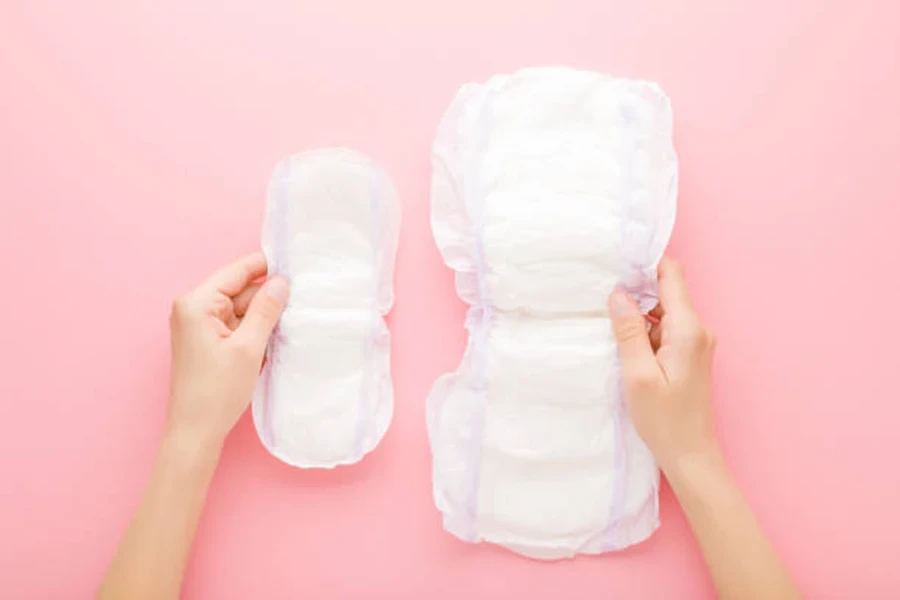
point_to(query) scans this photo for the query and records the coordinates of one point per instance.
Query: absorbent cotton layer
(551, 187)
(332, 221)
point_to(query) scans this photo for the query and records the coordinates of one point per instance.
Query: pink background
(136, 139)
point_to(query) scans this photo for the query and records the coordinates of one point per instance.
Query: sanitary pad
(551, 187)
(325, 396)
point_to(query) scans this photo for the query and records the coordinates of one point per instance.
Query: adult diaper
(551, 187)
(325, 397)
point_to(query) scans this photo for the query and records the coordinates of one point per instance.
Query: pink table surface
(136, 139)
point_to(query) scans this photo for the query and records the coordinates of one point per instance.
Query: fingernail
(620, 304)
(278, 289)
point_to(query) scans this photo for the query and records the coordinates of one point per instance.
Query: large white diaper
(551, 186)
(332, 222)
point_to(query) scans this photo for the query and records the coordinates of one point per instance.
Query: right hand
(666, 371)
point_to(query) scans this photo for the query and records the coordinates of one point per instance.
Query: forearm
(741, 561)
(153, 553)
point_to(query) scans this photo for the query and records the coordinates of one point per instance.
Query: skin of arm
(666, 374)
(219, 335)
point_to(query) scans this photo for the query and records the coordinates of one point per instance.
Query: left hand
(219, 334)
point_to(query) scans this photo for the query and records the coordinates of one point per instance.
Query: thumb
(263, 313)
(638, 362)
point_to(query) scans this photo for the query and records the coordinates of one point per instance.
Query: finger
(233, 278)
(262, 315)
(222, 308)
(242, 300)
(636, 356)
(674, 296)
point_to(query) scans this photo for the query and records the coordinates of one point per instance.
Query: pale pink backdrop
(136, 139)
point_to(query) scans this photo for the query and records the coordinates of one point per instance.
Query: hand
(666, 374)
(666, 371)
(219, 336)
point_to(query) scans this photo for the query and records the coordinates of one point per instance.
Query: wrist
(691, 475)
(688, 470)
(189, 449)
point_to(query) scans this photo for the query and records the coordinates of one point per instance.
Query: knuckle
(701, 339)
(692, 335)
(221, 305)
(180, 307)
(711, 339)
(698, 339)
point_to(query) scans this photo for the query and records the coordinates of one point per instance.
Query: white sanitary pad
(332, 222)
(551, 186)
